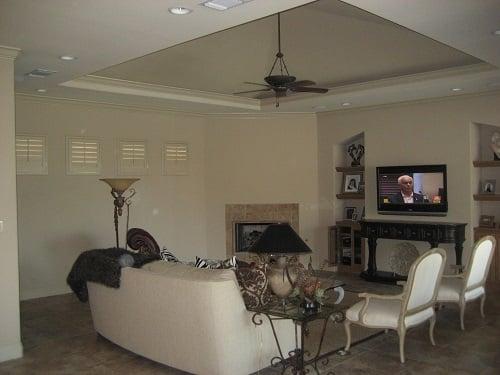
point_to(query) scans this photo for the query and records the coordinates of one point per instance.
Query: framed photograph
(349, 212)
(352, 182)
(487, 221)
(488, 187)
(355, 216)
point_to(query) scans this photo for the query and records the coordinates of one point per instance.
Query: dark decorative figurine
(356, 152)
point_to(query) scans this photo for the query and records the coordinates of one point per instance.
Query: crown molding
(402, 103)
(396, 81)
(54, 99)
(118, 86)
(9, 52)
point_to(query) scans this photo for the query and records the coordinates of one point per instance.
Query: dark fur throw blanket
(101, 266)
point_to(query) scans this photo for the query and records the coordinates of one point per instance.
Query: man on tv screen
(406, 194)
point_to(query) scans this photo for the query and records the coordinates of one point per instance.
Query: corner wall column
(10, 337)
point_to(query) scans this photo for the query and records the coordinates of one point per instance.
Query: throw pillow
(216, 264)
(253, 285)
(201, 263)
(167, 256)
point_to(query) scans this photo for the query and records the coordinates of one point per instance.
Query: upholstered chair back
(480, 261)
(424, 278)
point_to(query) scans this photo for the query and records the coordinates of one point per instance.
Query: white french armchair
(469, 285)
(412, 307)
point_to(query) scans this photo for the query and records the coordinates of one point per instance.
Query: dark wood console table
(432, 232)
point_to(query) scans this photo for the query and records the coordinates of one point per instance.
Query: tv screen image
(417, 189)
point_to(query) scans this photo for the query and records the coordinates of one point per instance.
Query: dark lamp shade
(279, 239)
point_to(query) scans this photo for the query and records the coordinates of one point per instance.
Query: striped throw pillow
(167, 256)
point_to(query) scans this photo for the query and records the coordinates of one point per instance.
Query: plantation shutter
(83, 156)
(132, 158)
(31, 154)
(176, 159)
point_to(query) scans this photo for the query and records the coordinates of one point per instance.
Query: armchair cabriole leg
(402, 334)
(432, 323)
(347, 326)
(462, 315)
(483, 298)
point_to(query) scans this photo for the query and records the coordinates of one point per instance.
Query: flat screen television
(412, 190)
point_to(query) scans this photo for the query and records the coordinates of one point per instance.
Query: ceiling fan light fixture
(223, 4)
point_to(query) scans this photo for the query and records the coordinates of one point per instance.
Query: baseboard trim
(31, 294)
(12, 351)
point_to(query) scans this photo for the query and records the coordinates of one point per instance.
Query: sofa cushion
(254, 285)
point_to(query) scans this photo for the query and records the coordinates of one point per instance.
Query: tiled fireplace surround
(258, 213)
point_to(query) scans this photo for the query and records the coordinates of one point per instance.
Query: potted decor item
(356, 152)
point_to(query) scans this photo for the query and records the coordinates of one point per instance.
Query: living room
(252, 157)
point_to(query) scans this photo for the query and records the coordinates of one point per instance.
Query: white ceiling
(378, 63)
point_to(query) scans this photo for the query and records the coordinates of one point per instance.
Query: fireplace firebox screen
(246, 233)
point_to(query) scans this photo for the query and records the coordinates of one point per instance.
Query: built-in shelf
(487, 197)
(486, 163)
(361, 168)
(351, 196)
(487, 230)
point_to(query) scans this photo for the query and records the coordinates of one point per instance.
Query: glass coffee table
(301, 319)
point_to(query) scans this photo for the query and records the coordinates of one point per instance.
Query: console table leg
(372, 255)
(458, 253)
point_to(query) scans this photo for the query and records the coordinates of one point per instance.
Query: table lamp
(118, 188)
(278, 241)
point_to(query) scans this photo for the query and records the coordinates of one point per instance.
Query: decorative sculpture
(356, 152)
(495, 145)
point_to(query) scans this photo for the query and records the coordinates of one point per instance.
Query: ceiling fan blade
(258, 84)
(247, 92)
(318, 90)
(301, 83)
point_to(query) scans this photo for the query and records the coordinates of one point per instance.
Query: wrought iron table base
(295, 359)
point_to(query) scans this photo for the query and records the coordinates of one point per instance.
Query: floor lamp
(118, 188)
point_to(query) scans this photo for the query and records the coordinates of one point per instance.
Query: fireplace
(246, 233)
(245, 222)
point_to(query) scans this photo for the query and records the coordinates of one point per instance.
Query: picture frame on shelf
(355, 216)
(488, 187)
(349, 212)
(487, 221)
(351, 182)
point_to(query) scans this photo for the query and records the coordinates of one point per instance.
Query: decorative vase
(282, 278)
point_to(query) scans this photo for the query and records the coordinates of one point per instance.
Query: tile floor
(58, 338)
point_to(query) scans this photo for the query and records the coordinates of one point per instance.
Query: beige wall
(10, 337)
(437, 132)
(61, 215)
(261, 159)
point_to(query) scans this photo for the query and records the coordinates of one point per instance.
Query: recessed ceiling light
(41, 90)
(456, 89)
(179, 11)
(346, 104)
(496, 32)
(67, 57)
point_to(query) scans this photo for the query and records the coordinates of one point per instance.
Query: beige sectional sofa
(188, 318)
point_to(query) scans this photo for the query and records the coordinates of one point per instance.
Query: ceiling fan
(283, 82)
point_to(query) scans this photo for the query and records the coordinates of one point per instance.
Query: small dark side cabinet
(432, 232)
